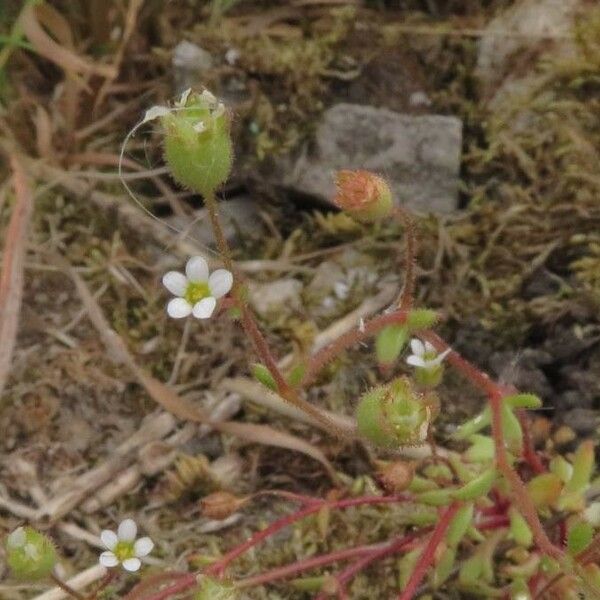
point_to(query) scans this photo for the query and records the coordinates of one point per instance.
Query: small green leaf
(583, 467)
(435, 497)
(529, 401)
(477, 487)
(262, 374)
(513, 434)
(472, 426)
(421, 318)
(519, 529)
(579, 537)
(389, 343)
(471, 570)
(296, 374)
(459, 524)
(482, 449)
(444, 567)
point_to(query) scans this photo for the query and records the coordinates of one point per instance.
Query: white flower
(123, 548)
(425, 356)
(196, 292)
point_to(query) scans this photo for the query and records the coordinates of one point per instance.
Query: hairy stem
(393, 547)
(251, 328)
(219, 567)
(407, 295)
(362, 332)
(428, 555)
(309, 563)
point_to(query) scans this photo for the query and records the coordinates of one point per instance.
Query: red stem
(392, 547)
(530, 456)
(218, 567)
(495, 393)
(323, 356)
(306, 564)
(495, 522)
(408, 291)
(428, 555)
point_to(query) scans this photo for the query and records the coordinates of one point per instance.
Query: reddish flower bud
(220, 505)
(363, 195)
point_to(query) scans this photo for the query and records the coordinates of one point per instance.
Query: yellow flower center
(124, 550)
(196, 291)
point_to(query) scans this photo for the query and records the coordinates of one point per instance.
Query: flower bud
(363, 195)
(29, 554)
(197, 143)
(395, 414)
(220, 505)
(396, 476)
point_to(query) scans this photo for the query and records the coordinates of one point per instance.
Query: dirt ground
(516, 271)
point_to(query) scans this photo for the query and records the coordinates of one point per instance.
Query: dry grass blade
(48, 48)
(167, 398)
(11, 277)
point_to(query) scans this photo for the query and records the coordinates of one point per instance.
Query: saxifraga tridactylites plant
(492, 490)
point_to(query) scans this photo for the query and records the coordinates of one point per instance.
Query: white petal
(17, 538)
(416, 345)
(127, 530)
(415, 361)
(109, 538)
(429, 348)
(439, 358)
(196, 269)
(108, 559)
(175, 282)
(155, 112)
(220, 282)
(179, 308)
(205, 308)
(143, 547)
(132, 564)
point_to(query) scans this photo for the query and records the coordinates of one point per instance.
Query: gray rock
(516, 39)
(281, 296)
(419, 155)
(239, 215)
(583, 421)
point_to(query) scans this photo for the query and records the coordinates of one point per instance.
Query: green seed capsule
(395, 414)
(29, 554)
(197, 142)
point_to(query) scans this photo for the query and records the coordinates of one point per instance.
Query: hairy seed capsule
(197, 142)
(29, 554)
(395, 414)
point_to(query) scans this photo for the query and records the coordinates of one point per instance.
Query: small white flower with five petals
(425, 356)
(197, 292)
(123, 548)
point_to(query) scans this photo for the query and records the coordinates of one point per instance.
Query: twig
(78, 582)
(11, 276)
